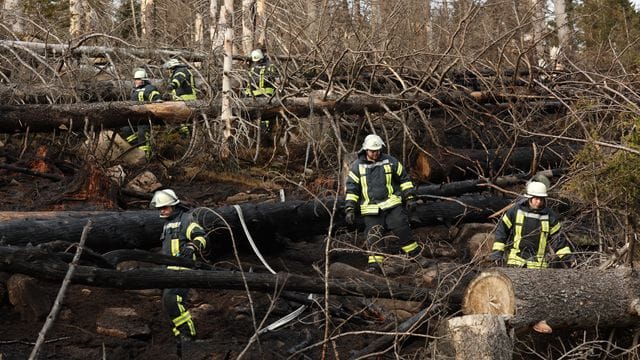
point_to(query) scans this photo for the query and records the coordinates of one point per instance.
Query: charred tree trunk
(270, 224)
(459, 164)
(39, 264)
(564, 298)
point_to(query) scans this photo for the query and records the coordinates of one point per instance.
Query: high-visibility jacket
(183, 86)
(377, 185)
(526, 234)
(262, 79)
(179, 230)
(145, 92)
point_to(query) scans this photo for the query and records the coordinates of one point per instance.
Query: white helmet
(372, 142)
(140, 74)
(536, 189)
(257, 55)
(171, 63)
(162, 198)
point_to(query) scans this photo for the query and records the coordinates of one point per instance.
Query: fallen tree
(39, 264)
(271, 224)
(564, 298)
(457, 164)
(97, 116)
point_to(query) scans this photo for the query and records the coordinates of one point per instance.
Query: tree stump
(474, 337)
(564, 298)
(29, 299)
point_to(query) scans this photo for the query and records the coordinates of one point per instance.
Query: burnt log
(38, 264)
(564, 298)
(271, 224)
(19, 118)
(459, 188)
(461, 164)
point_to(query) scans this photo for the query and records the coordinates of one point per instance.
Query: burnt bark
(271, 225)
(39, 264)
(460, 164)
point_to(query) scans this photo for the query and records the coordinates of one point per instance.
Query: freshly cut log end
(490, 293)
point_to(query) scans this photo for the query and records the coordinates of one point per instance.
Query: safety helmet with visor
(257, 55)
(372, 142)
(171, 63)
(536, 189)
(140, 74)
(165, 197)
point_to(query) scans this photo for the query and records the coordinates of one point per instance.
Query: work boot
(422, 261)
(373, 268)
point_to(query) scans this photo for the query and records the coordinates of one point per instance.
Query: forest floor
(226, 320)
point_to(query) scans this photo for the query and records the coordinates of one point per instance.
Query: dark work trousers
(394, 220)
(173, 302)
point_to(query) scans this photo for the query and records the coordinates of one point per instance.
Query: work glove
(350, 216)
(412, 204)
(187, 251)
(167, 97)
(495, 257)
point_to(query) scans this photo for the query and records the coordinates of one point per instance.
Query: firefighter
(378, 185)
(529, 233)
(143, 90)
(181, 87)
(261, 81)
(181, 236)
(181, 82)
(262, 76)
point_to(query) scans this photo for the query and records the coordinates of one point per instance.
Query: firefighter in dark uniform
(181, 87)
(262, 76)
(378, 184)
(181, 81)
(261, 81)
(529, 233)
(138, 135)
(181, 236)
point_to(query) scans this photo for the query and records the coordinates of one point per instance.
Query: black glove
(350, 216)
(167, 97)
(412, 204)
(187, 251)
(495, 257)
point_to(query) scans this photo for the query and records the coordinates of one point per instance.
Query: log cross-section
(564, 298)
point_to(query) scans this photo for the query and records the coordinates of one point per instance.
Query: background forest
(444, 75)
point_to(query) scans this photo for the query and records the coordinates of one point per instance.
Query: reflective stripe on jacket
(378, 185)
(261, 80)
(178, 231)
(145, 92)
(525, 234)
(184, 87)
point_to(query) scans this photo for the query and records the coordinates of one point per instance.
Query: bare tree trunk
(226, 23)
(132, 3)
(75, 17)
(198, 31)
(248, 17)
(90, 19)
(312, 16)
(215, 30)
(538, 27)
(562, 24)
(260, 33)
(147, 18)
(12, 14)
